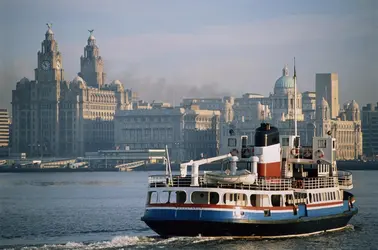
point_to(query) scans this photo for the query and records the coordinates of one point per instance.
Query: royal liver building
(55, 117)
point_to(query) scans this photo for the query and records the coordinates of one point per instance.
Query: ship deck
(343, 181)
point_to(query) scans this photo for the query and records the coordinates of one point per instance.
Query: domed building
(285, 83)
(78, 82)
(282, 99)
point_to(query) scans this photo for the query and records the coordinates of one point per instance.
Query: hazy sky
(167, 49)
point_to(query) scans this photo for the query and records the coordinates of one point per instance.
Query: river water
(103, 210)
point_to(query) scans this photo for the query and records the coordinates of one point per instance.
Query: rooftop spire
(295, 101)
(91, 38)
(285, 71)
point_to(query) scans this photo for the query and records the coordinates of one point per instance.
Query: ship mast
(295, 101)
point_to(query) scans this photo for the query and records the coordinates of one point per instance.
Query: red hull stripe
(325, 204)
(233, 206)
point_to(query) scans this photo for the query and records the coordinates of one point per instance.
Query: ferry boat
(281, 189)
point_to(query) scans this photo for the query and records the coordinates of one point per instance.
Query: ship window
(253, 200)
(200, 198)
(232, 142)
(276, 200)
(235, 199)
(180, 197)
(164, 197)
(289, 200)
(310, 197)
(322, 144)
(241, 200)
(285, 142)
(152, 198)
(214, 198)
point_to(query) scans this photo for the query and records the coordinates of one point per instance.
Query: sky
(170, 49)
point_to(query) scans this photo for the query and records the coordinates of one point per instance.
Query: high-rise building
(52, 116)
(370, 130)
(309, 105)
(327, 87)
(4, 128)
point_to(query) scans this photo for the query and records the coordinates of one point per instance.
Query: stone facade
(224, 105)
(52, 116)
(188, 133)
(346, 129)
(309, 105)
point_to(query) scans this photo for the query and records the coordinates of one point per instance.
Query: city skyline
(239, 47)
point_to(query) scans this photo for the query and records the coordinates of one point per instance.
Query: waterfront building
(346, 129)
(250, 108)
(309, 105)
(370, 130)
(312, 120)
(188, 133)
(327, 87)
(278, 109)
(224, 105)
(53, 116)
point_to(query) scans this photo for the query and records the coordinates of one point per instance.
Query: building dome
(24, 80)
(79, 82)
(116, 85)
(284, 83)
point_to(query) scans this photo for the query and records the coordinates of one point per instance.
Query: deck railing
(320, 182)
(345, 180)
(273, 184)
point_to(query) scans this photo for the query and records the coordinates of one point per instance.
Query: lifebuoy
(319, 153)
(299, 183)
(227, 171)
(294, 151)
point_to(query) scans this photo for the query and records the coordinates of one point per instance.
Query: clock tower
(91, 64)
(49, 68)
(49, 79)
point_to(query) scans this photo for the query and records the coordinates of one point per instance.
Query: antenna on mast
(295, 101)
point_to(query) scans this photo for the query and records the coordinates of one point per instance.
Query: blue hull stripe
(157, 213)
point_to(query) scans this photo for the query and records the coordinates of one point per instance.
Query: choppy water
(103, 210)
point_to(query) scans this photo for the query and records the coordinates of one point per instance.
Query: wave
(152, 242)
(124, 241)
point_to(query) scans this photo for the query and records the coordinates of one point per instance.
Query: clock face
(45, 65)
(58, 64)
